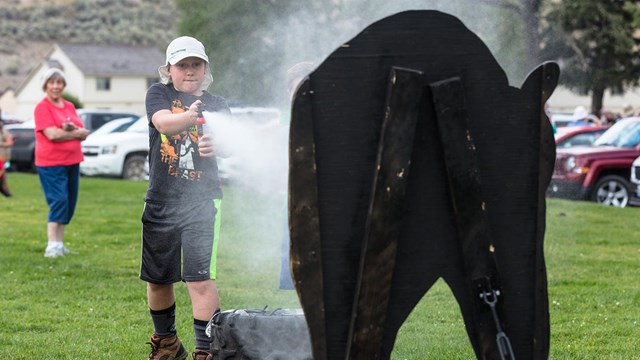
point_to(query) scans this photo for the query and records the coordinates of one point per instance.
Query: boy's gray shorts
(178, 242)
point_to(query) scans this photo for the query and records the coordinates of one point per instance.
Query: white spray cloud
(259, 152)
(255, 145)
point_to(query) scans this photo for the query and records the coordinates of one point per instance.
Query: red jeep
(599, 172)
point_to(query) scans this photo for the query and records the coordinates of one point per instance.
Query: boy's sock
(203, 342)
(164, 321)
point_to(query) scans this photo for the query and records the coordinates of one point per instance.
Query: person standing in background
(182, 201)
(628, 111)
(608, 117)
(59, 132)
(6, 141)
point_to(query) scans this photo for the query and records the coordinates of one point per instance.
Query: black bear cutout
(336, 126)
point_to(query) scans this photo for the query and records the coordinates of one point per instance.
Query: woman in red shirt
(59, 131)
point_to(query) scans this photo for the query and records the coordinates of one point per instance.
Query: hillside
(29, 28)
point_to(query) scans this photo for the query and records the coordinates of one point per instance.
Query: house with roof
(100, 76)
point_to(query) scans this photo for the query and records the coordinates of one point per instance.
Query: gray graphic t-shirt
(177, 173)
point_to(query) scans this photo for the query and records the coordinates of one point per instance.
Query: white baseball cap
(182, 48)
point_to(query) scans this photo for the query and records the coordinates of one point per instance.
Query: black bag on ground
(280, 334)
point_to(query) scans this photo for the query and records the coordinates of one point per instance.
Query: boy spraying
(178, 242)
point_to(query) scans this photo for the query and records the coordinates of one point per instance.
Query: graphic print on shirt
(179, 151)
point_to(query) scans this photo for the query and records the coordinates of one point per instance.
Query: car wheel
(612, 190)
(134, 167)
(24, 167)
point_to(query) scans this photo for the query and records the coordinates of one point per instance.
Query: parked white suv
(93, 119)
(118, 154)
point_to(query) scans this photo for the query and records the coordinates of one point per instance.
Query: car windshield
(625, 133)
(140, 125)
(117, 125)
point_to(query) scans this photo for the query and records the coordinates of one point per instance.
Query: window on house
(103, 84)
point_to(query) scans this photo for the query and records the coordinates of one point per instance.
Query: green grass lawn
(92, 305)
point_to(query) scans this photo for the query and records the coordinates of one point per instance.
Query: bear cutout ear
(543, 81)
(548, 73)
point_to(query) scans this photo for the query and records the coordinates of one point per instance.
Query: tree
(252, 43)
(73, 99)
(603, 46)
(255, 42)
(528, 14)
(241, 45)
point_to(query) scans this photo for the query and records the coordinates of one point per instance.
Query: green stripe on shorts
(216, 237)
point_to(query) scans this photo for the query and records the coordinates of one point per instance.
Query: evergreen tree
(241, 45)
(602, 46)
